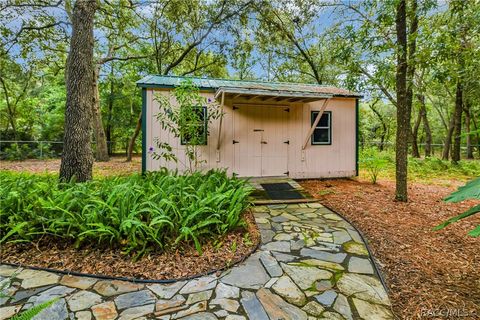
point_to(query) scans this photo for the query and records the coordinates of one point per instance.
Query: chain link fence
(34, 149)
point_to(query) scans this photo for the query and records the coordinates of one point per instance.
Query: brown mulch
(116, 166)
(425, 270)
(174, 264)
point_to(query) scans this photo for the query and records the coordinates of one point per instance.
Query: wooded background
(416, 62)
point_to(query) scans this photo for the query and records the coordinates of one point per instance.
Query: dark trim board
(144, 130)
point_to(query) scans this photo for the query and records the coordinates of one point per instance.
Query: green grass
(134, 213)
(422, 170)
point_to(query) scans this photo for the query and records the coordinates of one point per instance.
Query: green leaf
(469, 191)
(464, 215)
(32, 312)
(475, 232)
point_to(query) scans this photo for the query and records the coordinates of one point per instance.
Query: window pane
(321, 136)
(200, 136)
(324, 120)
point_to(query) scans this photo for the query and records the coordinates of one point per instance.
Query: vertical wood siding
(335, 160)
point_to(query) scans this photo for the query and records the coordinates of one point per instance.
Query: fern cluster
(136, 213)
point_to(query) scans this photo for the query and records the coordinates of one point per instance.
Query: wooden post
(220, 127)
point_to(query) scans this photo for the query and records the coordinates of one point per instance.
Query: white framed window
(201, 128)
(322, 135)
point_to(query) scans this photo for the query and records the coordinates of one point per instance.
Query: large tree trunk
(403, 114)
(77, 159)
(457, 123)
(467, 130)
(131, 144)
(426, 126)
(416, 126)
(101, 151)
(448, 140)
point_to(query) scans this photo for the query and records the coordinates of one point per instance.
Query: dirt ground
(430, 274)
(116, 166)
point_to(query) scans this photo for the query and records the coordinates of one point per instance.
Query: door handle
(263, 142)
(258, 130)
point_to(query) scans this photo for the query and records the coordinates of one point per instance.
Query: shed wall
(316, 161)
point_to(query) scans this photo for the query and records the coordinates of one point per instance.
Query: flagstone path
(311, 264)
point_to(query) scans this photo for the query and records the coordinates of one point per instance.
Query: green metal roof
(210, 84)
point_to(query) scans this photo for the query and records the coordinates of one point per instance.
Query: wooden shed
(268, 128)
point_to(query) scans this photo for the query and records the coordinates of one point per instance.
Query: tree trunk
(416, 126)
(411, 49)
(476, 134)
(101, 151)
(384, 126)
(467, 130)
(77, 159)
(131, 144)
(403, 115)
(457, 123)
(448, 140)
(109, 132)
(426, 126)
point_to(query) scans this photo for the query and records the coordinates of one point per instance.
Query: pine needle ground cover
(126, 225)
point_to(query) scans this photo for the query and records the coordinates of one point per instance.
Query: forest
(343, 43)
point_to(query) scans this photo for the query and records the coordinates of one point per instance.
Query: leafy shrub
(22, 151)
(374, 161)
(135, 213)
(469, 191)
(432, 166)
(17, 152)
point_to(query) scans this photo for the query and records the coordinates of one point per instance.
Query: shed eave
(250, 93)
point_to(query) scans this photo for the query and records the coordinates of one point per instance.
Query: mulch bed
(425, 270)
(174, 264)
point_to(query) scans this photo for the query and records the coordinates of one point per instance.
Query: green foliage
(374, 162)
(189, 119)
(16, 152)
(469, 191)
(425, 169)
(432, 167)
(33, 311)
(134, 213)
(22, 151)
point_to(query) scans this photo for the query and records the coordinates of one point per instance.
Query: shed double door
(260, 141)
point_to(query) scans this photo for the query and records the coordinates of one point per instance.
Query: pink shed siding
(251, 158)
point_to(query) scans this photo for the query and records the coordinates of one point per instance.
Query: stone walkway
(311, 265)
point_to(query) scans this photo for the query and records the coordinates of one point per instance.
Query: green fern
(32, 312)
(137, 213)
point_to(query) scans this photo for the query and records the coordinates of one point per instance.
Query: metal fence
(32, 149)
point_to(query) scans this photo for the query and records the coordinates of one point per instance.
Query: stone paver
(311, 265)
(78, 282)
(83, 300)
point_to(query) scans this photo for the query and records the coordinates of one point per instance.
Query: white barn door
(260, 141)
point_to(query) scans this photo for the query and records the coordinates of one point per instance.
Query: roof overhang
(270, 95)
